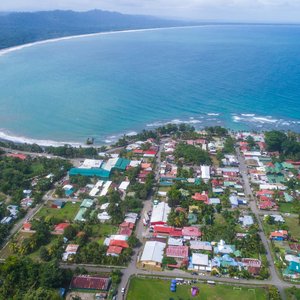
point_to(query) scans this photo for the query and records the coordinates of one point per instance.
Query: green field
(294, 227)
(156, 289)
(68, 212)
(287, 207)
(292, 293)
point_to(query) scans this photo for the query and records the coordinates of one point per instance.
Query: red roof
(191, 231)
(114, 250)
(266, 204)
(265, 192)
(163, 229)
(279, 233)
(150, 152)
(125, 231)
(61, 226)
(27, 226)
(90, 282)
(178, 251)
(127, 225)
(200, 197)
(17, 155)
(118, 243)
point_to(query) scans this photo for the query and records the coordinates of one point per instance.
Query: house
(89, 282)
(119, 243)
(70, 250)
(279, 235)
(87, 203)
(58, 204)
(276, 218)
(200, 262)
(191, 233)
(199, 245)
(160, 214)
(103, 217)
(205, 173)
(59, 228)
(175, 242)
(214, 201)
(179, 252)
(27, 226)
(153, 254)
(252, 265)
(201, 197)
(246, 221)
(114, 251)
(222, 248)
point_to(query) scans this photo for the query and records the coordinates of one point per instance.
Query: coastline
(249, 120)
(71, 37)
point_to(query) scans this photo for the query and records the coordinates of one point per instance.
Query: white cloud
(236, 10)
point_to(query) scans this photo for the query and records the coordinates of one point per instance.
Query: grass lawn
(292, 293)
(287, 207)
(294, 227)
(156, 289)
(102, 230)
(68, 212)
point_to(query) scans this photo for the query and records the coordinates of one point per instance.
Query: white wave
(213, 114)
(131, 133)
(25, 140)
(264, 119)
(248, 115)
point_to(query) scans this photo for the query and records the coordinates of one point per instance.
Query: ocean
(244, 77)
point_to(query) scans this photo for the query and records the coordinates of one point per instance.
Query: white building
(160, 214)
(153, 253)
(205, 172)
(200, 262)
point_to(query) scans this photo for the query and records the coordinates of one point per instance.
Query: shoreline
(8, 50)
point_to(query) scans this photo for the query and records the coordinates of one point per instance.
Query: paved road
(275, 279)
(140, 230)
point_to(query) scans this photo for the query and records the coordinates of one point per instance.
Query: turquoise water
(103, 86)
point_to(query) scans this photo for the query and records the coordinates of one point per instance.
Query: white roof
(277, 218)
(205, 172)
(67, 187)
(124, 185)
(91, 164)
(214, 201)
(110, 164)
(118, 237)
(104, 206)
(246, 220)
(200, 259)
(94, 192)
(153, 251)
(105, 188)
(160, 212)
(134, 163)
(175, 242)
(104, 216)
(233, 200)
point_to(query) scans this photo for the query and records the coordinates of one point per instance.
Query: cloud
(235, 10)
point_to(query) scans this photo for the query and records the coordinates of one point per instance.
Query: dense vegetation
(191, 154)
(287, 145)
(21, 278)
(21, 28)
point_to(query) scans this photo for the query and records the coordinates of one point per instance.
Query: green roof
(287, 165)
(79, 216)
(275, 178)
(90, 172)
(87, 203)
(294, 267)
(122, 164)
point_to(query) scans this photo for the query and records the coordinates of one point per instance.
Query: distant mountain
(24, 27)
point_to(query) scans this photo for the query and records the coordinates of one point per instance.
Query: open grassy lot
(156, 289)
(292, 293)
(294, 228)
(68, 212)
(6, 251)
(287, 207)
(100, 231)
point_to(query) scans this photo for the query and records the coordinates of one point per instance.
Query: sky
(221, 10)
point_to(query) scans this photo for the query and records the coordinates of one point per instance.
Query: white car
(123, 290)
